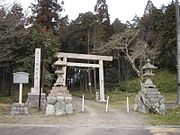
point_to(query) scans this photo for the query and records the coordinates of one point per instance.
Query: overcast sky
(122, 9)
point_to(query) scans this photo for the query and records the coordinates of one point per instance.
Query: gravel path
(94, 115)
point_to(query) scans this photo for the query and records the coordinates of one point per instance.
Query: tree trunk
(119, 70)
(3, 81)
(11, 80)
(95, 84)
(81, 82)
(89, 80)
(85, 82)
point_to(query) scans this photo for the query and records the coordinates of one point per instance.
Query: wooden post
(107, 103)
(101, 80)
(127, 104)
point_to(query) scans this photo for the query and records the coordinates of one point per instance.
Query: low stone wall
(59, 105)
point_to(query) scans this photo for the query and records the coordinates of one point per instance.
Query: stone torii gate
(66, 56)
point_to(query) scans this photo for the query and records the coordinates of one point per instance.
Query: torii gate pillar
(101, 80)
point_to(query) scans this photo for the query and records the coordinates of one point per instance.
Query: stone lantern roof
(59, 62)
(148, 69)
(148, 65)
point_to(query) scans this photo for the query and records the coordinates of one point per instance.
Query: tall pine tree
(49, 25)
(47, 15)
(101, 10)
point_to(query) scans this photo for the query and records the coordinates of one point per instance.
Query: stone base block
(62, 90)
(150, 100)
(59, 105)
(50, 109)
(19, 109)
(33, 100)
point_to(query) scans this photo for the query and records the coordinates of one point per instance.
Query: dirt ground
(93, 115)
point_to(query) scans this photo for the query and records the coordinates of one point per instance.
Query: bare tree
(135, 50)
(11, 25)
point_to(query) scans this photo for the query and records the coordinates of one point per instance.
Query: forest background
(89, 33)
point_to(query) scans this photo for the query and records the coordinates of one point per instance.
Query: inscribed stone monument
(33, 97)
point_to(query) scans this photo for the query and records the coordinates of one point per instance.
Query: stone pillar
(37, 72)
(101, 80)
(33, 97)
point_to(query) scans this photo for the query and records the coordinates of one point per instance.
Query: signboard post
(20, 77)
(20, 108)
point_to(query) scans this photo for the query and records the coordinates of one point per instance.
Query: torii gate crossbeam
(65, 56)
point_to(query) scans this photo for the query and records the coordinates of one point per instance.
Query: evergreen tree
(47, 17)
(50, 26)
(83, 29)
(149, 8)
(147, 23)
(101, 10)
(167, 35)
(134, 23)
(158, 29)
(12, 37)
(117, 26)
(12, 33)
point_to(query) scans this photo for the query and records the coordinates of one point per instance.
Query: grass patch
(120, 97)
(163, 79)
(5, 109)
(170, 97)
(166, 81)
(79, 93)
(172, 117)
(14, 98)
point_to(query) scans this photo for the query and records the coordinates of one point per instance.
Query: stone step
(59, 88)
(153, 96)
(60, 94)
(154, 100)
(152, 93)
(59, 91)
(151, 89)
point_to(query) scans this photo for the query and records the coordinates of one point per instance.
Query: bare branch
(133, 48)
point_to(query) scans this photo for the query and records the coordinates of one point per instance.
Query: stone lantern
(59, 100)
(148, 69)
(149, 98)
(59, 65)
